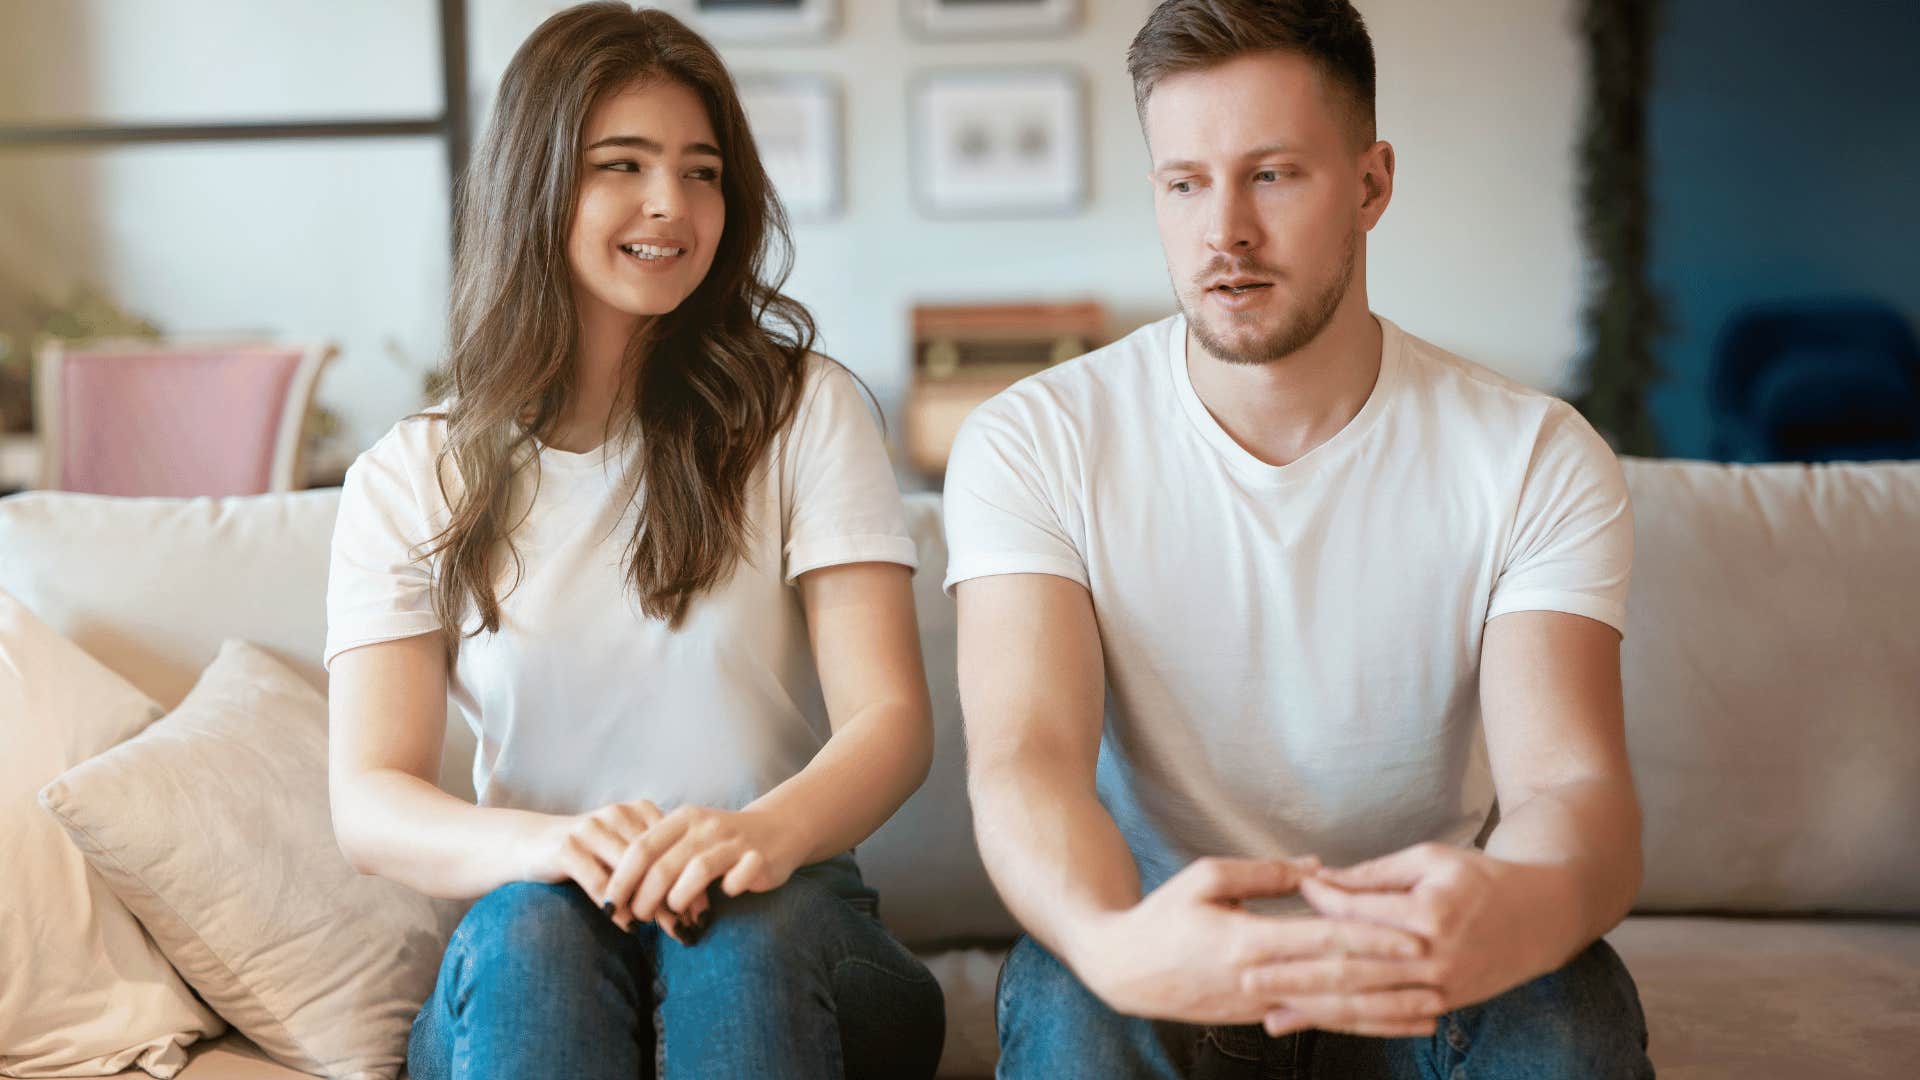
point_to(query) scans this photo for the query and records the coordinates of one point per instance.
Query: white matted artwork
(994, 142)
(759, 20)
(796, 125)
(970, 18)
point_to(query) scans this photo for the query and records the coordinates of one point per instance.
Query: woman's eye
(619, 166)
(708, 175)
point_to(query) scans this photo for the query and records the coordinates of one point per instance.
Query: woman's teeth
(650, 251)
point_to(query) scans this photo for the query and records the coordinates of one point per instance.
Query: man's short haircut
(1191, 35)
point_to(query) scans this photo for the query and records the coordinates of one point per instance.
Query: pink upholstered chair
(158, 418)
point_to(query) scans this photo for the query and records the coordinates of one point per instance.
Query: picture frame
(798, 125)
(755, 21)
(999, 142)
(991, 18)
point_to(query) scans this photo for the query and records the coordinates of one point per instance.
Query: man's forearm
(1053, 851)
(1587, 833)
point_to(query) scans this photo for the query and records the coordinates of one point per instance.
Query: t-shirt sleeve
(999, 515)
(841, 502)
(376, 590)
(1572, 547)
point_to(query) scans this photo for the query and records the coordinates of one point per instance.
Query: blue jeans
(1582, 1022)
(799, 982)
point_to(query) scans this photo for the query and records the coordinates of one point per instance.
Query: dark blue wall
(1785, 142)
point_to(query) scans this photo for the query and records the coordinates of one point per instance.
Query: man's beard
(1298, 327)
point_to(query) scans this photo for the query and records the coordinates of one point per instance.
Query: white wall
(1478, 251)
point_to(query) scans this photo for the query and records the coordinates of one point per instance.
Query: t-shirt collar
(1340, 445)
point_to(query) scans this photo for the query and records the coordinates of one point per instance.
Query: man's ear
(1376, 182)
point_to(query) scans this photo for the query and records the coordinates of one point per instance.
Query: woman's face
(649, 212)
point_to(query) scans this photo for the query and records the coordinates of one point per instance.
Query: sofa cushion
(1776, 999)
(1772, 672)
(82, 989)
(151, 587)
(212, 826)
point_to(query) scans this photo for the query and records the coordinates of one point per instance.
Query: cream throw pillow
(213, 827)
(83, 991)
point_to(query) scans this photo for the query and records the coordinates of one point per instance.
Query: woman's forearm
(397, 826)
(877, 758)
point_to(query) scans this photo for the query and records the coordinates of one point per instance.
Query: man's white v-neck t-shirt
(580, 699)
(1292, 652)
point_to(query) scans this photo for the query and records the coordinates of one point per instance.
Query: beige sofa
(1773, 675)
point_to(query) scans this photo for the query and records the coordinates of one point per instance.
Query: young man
(1271, 588)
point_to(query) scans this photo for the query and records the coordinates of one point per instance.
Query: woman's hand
(668, 869)
(586, 849)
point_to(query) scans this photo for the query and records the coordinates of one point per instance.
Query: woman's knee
(799, 926)
(527, 924)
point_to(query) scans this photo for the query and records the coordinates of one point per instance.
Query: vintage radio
(964, 354)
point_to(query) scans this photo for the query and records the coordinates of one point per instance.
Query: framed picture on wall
(796, 124)
(983, 18)
(999, 142)
(760, 20)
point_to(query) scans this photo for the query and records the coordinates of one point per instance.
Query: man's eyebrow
(1269, 150)
(651, 146)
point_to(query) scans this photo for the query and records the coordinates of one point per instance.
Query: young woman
(616, 542)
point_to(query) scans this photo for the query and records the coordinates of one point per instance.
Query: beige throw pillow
(213, 827)
(83, 991)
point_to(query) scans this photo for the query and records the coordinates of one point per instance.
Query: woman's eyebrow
(651, 146)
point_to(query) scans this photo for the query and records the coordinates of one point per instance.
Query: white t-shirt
(1292, 652)
(579, 699)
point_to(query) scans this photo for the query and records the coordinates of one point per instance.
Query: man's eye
(1180, 187)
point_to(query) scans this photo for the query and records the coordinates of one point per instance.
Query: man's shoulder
(1489, 421)
(1464, 394)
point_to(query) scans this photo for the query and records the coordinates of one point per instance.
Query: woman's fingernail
(701, 920)
(690, 933)
(608, 908)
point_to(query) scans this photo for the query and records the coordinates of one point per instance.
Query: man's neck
(1280, 411)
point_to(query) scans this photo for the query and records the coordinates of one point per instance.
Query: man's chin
(1242, 344)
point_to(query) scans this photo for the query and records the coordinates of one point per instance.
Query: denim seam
(911, 980)
(1209, 1034)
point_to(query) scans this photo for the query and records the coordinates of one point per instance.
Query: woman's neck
(600, 382)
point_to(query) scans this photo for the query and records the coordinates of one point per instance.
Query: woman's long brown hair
(713, 382)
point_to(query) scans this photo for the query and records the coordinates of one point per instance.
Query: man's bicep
(1032, 679)
(1550, 702)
